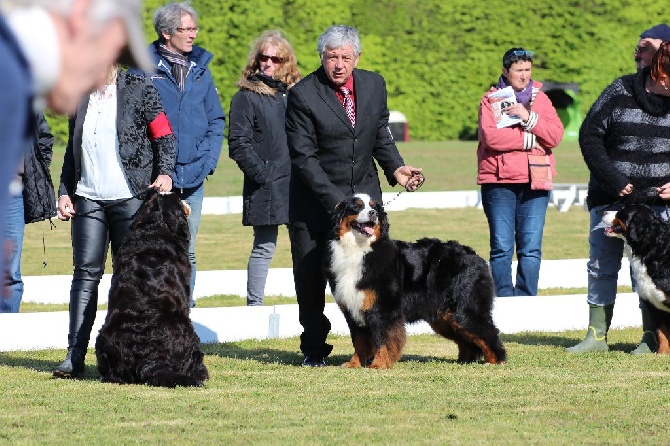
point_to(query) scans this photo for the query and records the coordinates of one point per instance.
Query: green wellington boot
(600, 319)
(649, 342)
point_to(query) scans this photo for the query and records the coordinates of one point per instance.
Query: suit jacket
(143, 155)
(330, 159)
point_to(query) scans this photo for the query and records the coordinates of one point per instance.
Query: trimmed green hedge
(438, 56)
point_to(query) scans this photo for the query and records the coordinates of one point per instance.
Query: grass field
(258, 394)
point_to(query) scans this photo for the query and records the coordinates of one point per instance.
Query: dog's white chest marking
(347, 267)
(644, 286)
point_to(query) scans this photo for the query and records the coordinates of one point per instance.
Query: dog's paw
(379, 365)
(351, 364)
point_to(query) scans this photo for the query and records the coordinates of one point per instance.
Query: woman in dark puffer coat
(257, 143)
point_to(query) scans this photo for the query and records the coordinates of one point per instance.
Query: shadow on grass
(558, 340)
(46, 366)
(276, 356)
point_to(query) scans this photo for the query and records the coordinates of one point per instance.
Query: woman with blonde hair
(120, 144)
(257, 143)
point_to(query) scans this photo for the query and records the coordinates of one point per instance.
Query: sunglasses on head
(274, 59)
(510, 58)
(522, 53)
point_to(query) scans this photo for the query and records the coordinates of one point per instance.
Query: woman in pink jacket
(516, 120)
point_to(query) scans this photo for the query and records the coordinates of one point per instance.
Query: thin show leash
(621, 201)
(99, 208)
(420, 179)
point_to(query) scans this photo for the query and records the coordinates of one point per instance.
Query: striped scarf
(179, 62)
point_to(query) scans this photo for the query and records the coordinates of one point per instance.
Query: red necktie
(348, 104)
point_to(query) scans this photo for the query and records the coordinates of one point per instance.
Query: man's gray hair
(338, 36)
(168, 18)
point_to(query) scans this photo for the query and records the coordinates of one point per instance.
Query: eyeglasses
(275, 60)
(643, 49)
(188, 30)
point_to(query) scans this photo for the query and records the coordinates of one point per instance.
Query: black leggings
(91, 235)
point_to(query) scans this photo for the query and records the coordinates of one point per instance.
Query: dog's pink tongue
(369, 230)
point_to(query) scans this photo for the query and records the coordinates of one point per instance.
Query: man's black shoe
(314, 361)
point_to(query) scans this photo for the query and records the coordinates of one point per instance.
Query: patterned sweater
(625, 138)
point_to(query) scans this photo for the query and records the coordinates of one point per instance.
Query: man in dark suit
(336, 125)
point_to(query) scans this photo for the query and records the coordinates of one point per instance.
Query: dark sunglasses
(274, 59)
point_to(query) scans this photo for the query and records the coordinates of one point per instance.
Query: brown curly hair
(660, 63)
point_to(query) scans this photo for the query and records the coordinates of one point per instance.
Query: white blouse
(102, 175)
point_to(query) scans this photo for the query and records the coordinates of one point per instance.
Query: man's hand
(409, 177)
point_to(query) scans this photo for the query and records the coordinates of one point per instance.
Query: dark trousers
(91, 237)
(307, 251)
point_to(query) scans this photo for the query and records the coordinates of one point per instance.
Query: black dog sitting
(380, 284)
(148, 337)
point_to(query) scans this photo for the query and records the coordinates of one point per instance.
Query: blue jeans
(265, 243)
(605, 258)
(193, 196)
(516, 215)
(13, 243)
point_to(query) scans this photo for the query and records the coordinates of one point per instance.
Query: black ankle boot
(73, 364)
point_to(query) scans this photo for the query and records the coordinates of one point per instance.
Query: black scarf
(270, 82)
(654, 104)
(180, 64)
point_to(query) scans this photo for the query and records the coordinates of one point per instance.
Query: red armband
(159, 127)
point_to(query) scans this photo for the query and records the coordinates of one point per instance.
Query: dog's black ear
(336, 217)
(340, 207)
(641, 220)
(383, 219)
(648, 223)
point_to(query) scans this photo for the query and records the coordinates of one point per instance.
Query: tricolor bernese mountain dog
(380, 284)
(148, 336)
(647, 237)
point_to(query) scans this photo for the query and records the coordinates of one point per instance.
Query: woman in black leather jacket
(120, 143)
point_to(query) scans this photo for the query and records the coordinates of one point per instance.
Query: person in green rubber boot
(623, 139)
